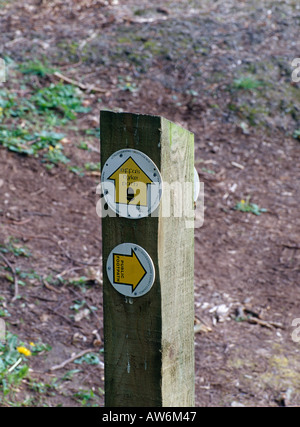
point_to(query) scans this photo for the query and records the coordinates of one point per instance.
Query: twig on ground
(49, 287)
(41, 298)
(22, 222)
(68, 270)
(78, 84)
(37, 214)
(266, 324)
(290, 247)
(71, 359)
(65, 318)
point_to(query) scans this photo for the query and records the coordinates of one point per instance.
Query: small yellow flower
(32, 344)
(243, 202)
(24, 350)
(51, 148)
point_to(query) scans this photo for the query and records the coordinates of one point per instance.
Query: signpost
(130, 270)
(148, 261)
(131, 184)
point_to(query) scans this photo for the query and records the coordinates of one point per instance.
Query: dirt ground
(221, 70)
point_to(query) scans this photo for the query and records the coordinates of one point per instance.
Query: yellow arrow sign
(131, 184)
(128, 270)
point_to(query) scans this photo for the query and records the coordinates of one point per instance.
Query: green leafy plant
(82, 282)
(13, 364)
(83, 146)
(64, 99)
(41, 110)
(7, 103)
(36, 67)
(12, 106)
(22, 277)
(90, 359)
(77, 170)
(85, 397)
(93, 132)
(3, 308)
(23, 142)
(93, 167)
(39, 347)
(78, 304)
(246, 206)
(55, 155)
(296, 134)
(247, 83)
(14, 247)
(126, 84)
(69, 375)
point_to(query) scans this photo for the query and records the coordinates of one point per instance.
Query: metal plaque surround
(130, 270)
(131, 184)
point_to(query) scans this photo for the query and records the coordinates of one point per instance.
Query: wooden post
(149, 340)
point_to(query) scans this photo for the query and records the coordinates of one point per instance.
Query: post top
(104, 114)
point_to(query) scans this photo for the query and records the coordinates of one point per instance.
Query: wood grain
(149, 341)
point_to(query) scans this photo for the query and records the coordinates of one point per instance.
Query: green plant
(7, 103)
(22, 277)
(78, 282)
(69, 375)
(43, 388)
(246, 206)
(90, 359)
(78, 304)
(41, 110)
(296, 134)
(39, 347)
(3, 308)
(83, 146)
(36, 67)
(93, 132)
(14, 247)
(92, 167)
(82, 282)
(126, 84)
(23, 142)
(77, 170)
(4, 313)
(208, 171)
(247, 83)
(55, 155)
(32, 275)
(3, 3)
(13, 364)
(64, 99)
(84, 397)
(12, 106)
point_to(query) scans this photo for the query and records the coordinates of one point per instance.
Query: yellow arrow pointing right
(128, 270)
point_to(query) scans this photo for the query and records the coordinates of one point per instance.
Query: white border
(146, 283)
(154, 191)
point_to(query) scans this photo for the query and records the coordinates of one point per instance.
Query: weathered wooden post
(148, 261)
